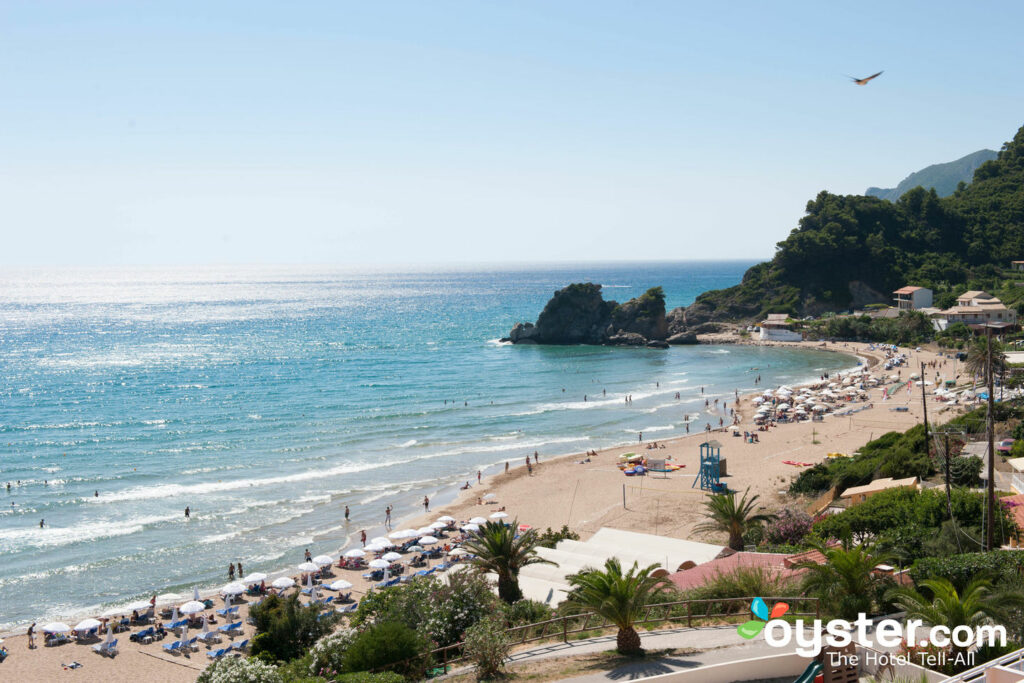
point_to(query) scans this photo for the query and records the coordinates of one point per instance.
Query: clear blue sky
(336, 132)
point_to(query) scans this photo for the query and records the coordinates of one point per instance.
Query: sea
(266, 399)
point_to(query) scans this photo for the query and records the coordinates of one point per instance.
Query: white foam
(407, 444)
(12, 539)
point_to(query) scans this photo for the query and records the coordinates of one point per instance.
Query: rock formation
(578, 314)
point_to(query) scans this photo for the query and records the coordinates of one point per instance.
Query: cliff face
(578, 314)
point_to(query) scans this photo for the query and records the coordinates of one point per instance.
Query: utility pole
(949, 495)
(990, 425)
(924, 406)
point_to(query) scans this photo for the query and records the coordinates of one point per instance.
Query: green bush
(326, 658)
(366, 677)
(239, 670)
(550, 538)
(390, 645)
(443, 610)
(487, 646)
(285, 629)
(526, 611)
(1002, 566)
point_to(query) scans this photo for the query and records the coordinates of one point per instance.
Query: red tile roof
(701, 574)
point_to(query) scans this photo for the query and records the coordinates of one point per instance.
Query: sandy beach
(567, 491)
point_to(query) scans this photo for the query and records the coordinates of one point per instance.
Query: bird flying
(864, 81)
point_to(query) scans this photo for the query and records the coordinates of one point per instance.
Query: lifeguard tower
(710, 468)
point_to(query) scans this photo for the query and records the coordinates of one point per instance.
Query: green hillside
(852, 250)
(943, 178)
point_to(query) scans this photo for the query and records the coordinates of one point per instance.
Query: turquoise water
(266, 399)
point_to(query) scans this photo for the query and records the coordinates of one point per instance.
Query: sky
(464, 132)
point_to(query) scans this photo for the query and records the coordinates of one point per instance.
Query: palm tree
(500, 552)
(976, 606)
(732, 516)
(977, 359)
(619, 598)
(847, 583)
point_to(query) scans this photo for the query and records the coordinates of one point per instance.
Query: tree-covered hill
(943, 178)
(853, 250)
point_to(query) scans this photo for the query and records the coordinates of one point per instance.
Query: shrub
(366, 677)
(550, 538)
(239, 670)
(286, 629)
(1002, 566)
(487, 646)
(788, 528)
(441, 609)
(390, 645)
(327, 656)
(526, 612)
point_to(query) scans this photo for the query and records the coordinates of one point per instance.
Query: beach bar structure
(776, 327)
(858, 494)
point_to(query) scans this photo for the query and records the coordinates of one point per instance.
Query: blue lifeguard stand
(710, 468)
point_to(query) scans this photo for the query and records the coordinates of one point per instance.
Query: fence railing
(675, 613)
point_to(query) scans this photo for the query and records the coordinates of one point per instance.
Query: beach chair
(173, 647)
(192, 644)
(228, 610)
(217, 654)
(231, 629)
(238, 646)
(209, 637)
(106, 648)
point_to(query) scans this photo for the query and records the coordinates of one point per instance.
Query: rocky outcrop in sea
(579, 314)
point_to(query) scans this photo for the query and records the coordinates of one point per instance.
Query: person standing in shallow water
(426, 504)
(346, 513)
(231, 572)
(362, 537)
(186, 512)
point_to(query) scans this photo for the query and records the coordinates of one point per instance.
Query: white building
(778, 328)
(976, 308)
(913, 298)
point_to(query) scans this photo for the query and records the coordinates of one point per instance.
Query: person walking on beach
(478, 476)
(240, 574)
(346, 513)
(506, 467)
(362, 537)
(186, 512)
(426, 504)
(536, 458)
(309, 557)
(529, 468)
(32, 636)
(387, 516)
(231, 572)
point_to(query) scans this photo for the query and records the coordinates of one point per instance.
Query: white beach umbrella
(428, 540)
(141, 605)
(323, 560)
(471, 527)
(819, 408)
(116, 612)
(374, 548)
(308, 567)
(56, 627)
(499, 515)
(383, 541)
(403, 533)
(391, 557)
(379, 564)
(233, 588)
(425, 530)
(438, 525)
(340, 585)
(88, 624)
(206, 628)
(355, 552)
(165, 598)
(195, 593)
(107, 641)
(255, 577)
(489, 496)
(478, 520)
(446, 518)
(192, 607)
(758, 399)
(309, 580)
(458, 552)
(283, 582)
(174, 614)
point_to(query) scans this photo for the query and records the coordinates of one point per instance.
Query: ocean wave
(657, 428)
(88, 532)
(407, 444)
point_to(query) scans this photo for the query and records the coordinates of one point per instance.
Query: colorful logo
(751, 628)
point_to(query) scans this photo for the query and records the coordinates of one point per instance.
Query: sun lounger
(191, 644)
(238, 646)
(143, 636)
(173, 647)
(106, 648)
(230, 628)
(228, 610)
(209, 637)
(217, 654)
(348, 608)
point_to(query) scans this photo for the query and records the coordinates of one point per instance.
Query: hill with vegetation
(943, 178)
(850, 250)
